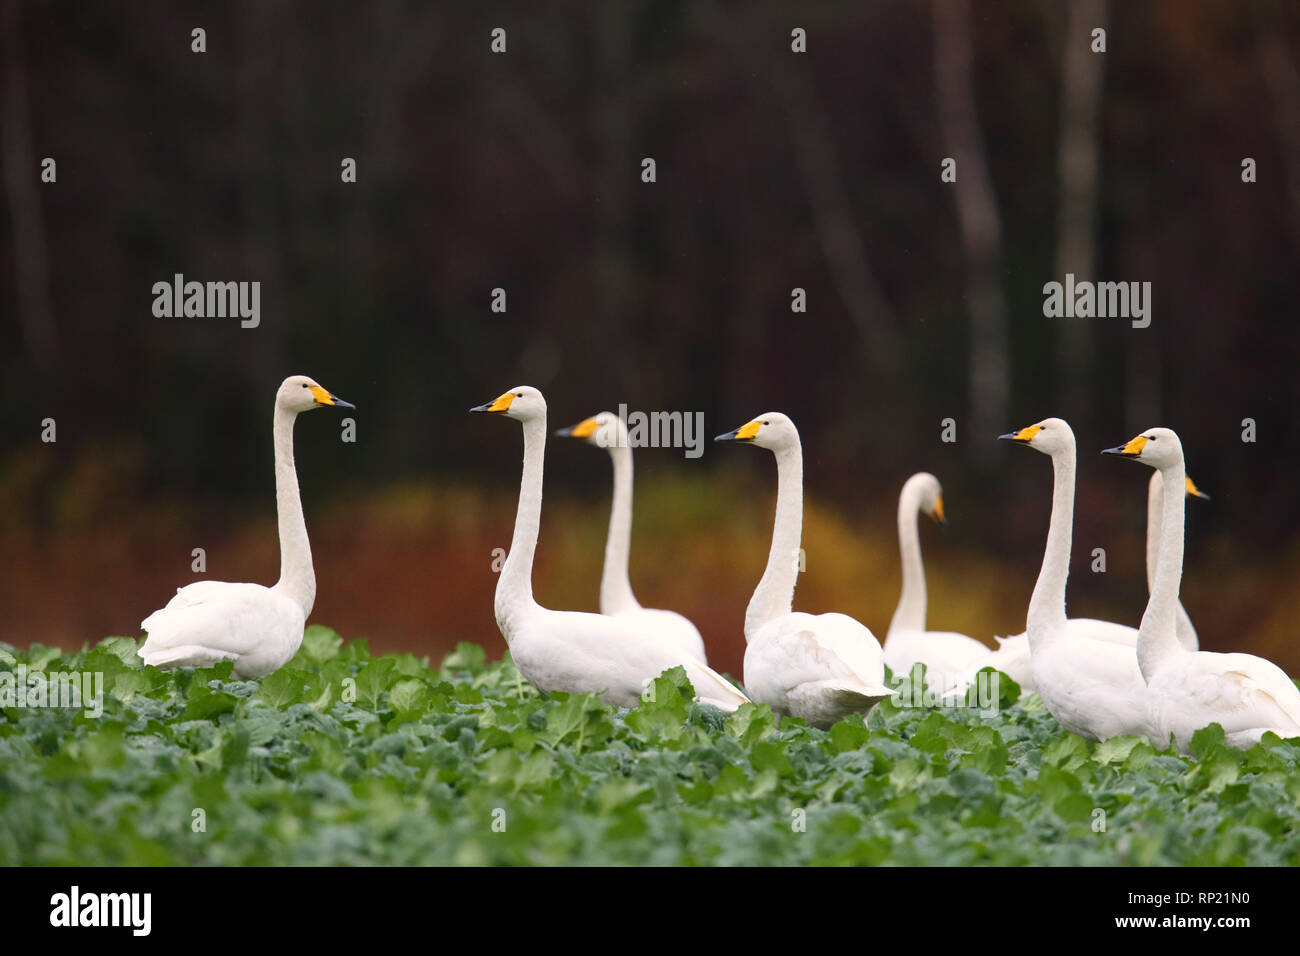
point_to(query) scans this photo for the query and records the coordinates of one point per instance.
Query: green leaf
(845, 737)
(771, 755)
(205, 704)
(933, 735)
(1053, 783)
(123, 648)
(319, 644)
(372, 681)
(1068, 751)
(104, 749)
(126, 684)
(1074, 808)
(1206, 741)
(283, 688)
(1141, 755)
(234, 748)
(564, 719)
(751, 722)
(466, 657)
(1223, 771)
(535, 769)
(1116, 749)
(671, 691)
(408, 696)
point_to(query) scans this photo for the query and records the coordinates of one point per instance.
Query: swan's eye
(767, 423)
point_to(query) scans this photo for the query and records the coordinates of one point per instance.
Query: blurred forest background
(522, 170)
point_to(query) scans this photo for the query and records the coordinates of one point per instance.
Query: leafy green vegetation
(345, 758)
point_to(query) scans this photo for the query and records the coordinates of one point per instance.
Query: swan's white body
(606, 430)
(1012, 655)
(947, 655)
(1088, 680)
(259, 628)
(820, 667)
(573, 651)
(1188, 690)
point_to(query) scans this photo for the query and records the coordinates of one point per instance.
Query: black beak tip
(563, 432)
(725, 436)
(339, 403)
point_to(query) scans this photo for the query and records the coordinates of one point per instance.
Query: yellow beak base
(1134, 448)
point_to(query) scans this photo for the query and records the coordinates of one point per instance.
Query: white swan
(1083, 669)
(1188, 690)
(606, 430)
(1012, 654)
(821, 667)
(574, 651)
(258, 628)
(947, 655)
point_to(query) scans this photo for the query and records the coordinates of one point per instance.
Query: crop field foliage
(468, 764)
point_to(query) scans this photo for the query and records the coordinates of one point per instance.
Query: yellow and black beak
(325, 398)
(1022, 437)
(937, 514)
(746, 432)
(1130, 450)
(1194, 491)
(584, 429)
(499, 404)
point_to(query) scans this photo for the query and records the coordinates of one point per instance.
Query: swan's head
(925, 490)
(604, 430)
(523, 403)
(298, 393)
(770, 430)
(1157, 447)
(1051, 436)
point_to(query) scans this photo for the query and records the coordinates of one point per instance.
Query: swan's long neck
(774, 595)
(1155, 509)
(1047, 605)
(297, 577)
(615, 589)
(515, 586)
(910, 614)
(1157, 636)
(1155, 506)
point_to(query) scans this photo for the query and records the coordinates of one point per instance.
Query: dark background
(522, 171)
